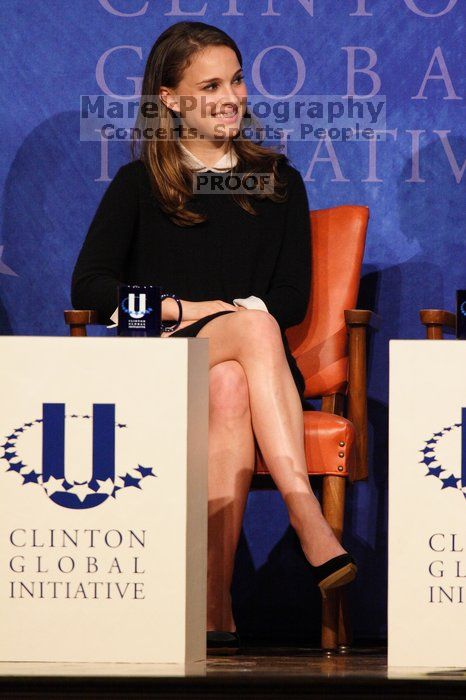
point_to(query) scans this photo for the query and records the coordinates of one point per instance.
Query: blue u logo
(141, 311)
(103, 452)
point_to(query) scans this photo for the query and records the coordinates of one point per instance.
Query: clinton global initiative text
(94, 590)
(98, 564)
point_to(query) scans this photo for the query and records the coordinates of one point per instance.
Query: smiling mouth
(226, 114)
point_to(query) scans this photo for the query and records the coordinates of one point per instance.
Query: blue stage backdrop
(411, 51)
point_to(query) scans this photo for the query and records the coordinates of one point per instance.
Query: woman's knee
(260, 332)
(228, 390)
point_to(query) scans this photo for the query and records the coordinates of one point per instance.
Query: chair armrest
(434, 320)
(357, 322)
(78, 320)
(362, 317)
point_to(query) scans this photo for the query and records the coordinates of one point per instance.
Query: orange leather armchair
(330, 350)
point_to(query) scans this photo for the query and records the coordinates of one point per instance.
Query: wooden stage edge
(257, 672)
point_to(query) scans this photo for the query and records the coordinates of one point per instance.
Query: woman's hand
(198, 309)
(193, 310)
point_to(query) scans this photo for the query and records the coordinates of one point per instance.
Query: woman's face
(211, 97)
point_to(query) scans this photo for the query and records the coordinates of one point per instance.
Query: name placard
(427, 504)
(103, 499)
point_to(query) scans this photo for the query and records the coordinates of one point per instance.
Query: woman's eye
(240, 79)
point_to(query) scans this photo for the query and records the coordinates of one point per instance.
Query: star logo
(77, 494)
(427, 460)
(52, 485)
(145, 471)
(81, 490)
(450, 482)
(32, 477)
(444, 473)
(106, 486)
(435, 471)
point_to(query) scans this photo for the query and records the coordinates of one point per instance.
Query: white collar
(228, 160)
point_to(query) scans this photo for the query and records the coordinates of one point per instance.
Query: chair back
(320, 343)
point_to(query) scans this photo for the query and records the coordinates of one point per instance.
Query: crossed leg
(231, 455)
(253, 339)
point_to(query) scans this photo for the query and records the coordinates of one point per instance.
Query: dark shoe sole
(218, 646)
(338, 578)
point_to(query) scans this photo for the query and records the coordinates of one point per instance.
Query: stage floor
(256, 672)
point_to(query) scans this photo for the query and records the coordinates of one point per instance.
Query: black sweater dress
(232, 254)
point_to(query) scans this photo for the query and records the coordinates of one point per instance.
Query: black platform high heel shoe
(335, 572)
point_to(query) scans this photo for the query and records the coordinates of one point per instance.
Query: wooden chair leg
(336, 626)
(329, 635)
(333, 508)
(345, 635)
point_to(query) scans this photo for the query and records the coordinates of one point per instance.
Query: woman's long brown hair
(171, 178)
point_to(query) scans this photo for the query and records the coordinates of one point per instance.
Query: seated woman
(240, 263)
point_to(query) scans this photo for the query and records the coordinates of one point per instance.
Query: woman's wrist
(170, 309)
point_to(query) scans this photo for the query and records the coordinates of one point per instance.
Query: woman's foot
(317, 538)
(222, 642)
(324, 547)
(219, 611)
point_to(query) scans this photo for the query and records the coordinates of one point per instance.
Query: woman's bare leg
(253, 338)
(230, 469)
